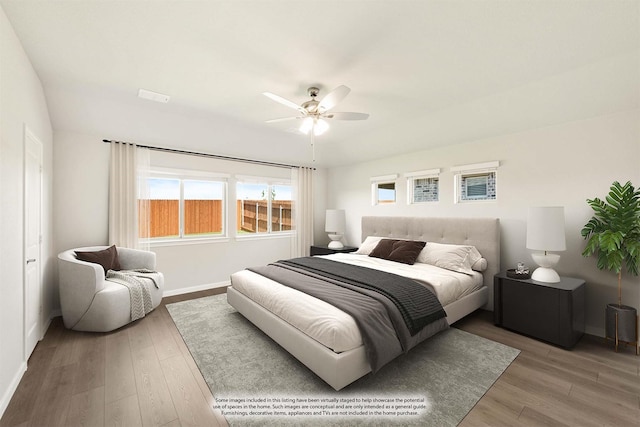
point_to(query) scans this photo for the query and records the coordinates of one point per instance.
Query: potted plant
(613, 235)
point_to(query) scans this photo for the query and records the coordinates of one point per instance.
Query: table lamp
(335, 225)
(545, 232)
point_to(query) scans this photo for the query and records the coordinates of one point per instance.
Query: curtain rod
(213, 156)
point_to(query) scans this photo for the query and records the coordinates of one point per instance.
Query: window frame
(414, 176)
(269, 183)
(182, 175)
(478, 169)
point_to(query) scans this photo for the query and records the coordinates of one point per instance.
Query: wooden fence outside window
(251, 216)
(205, 217)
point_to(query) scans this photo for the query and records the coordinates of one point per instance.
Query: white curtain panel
(143, 208)
(124, 176)
(302, 179)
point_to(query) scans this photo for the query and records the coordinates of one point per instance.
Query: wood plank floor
(140, 375)
(143, 375)
(591, 385)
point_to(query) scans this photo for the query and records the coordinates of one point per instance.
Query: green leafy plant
(613, 232)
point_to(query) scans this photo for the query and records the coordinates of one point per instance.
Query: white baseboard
(13, 386)
(6, 398)
(45, 327)
(207, 286)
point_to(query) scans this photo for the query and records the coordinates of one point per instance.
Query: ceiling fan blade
(333, 98)
(283, 101)
(348, 116)
(283, 119)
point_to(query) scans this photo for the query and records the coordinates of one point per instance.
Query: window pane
(425, 190)
(252, 202)
(164, 207)
(281, 208)
(203, 207)
(387, 192)
(478, 186)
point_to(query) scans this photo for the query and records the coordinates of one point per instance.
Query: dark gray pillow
(107, 258)
(404, 251)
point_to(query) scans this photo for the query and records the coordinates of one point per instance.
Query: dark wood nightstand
(552, 312)
(325, 250)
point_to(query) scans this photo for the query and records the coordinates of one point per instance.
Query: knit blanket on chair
(138, 282)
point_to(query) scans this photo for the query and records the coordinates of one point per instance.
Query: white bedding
(330, 326)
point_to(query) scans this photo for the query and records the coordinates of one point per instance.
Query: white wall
(81, 165)
(561, 165)
(81, 189)
(22, 102)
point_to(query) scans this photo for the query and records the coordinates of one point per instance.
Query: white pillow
(368, 245)
(480, 265)
(460, 258)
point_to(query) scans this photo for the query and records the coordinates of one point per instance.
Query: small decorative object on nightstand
(326, 250)
(520, 272)
(552, 312)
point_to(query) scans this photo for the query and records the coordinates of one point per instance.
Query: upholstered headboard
(483, 233)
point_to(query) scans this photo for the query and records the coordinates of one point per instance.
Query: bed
(340, 362)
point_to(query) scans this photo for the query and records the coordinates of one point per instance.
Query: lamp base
(335, 241)
(546, 275)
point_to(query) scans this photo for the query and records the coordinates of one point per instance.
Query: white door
(33, 241)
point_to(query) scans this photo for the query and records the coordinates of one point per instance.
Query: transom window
(480, 186)
(383, 189)
(423, 186)
(476, 182)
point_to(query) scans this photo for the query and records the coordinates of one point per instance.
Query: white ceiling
(429, 73)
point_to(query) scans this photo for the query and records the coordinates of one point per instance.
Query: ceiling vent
(153, 96)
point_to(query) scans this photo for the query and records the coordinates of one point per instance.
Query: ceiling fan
(314, 114)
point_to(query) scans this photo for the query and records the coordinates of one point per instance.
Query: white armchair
(88, 301)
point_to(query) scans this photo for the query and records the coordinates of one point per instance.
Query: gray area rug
(255, 381)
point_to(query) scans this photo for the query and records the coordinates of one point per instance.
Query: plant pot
(621, 324)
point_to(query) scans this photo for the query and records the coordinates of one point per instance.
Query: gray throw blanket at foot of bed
(386, 314)
(417, 304)
(138, 283)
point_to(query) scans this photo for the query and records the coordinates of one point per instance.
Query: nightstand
(325, 250)
(552, 312)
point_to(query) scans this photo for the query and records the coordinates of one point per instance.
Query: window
(180, 206)
(423, 186)
(203, 207)
(476, 182)
(383, 189)
(263, 207)
(478, 186)
(163, 207)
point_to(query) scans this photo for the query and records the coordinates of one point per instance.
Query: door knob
(31, 260)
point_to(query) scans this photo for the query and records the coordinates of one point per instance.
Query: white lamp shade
(307, 125)
(545, 229)
(335, 221)
(320, 127)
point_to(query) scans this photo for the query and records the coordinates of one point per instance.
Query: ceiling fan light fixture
(313, 113)
(307, 125)
(321, 126)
